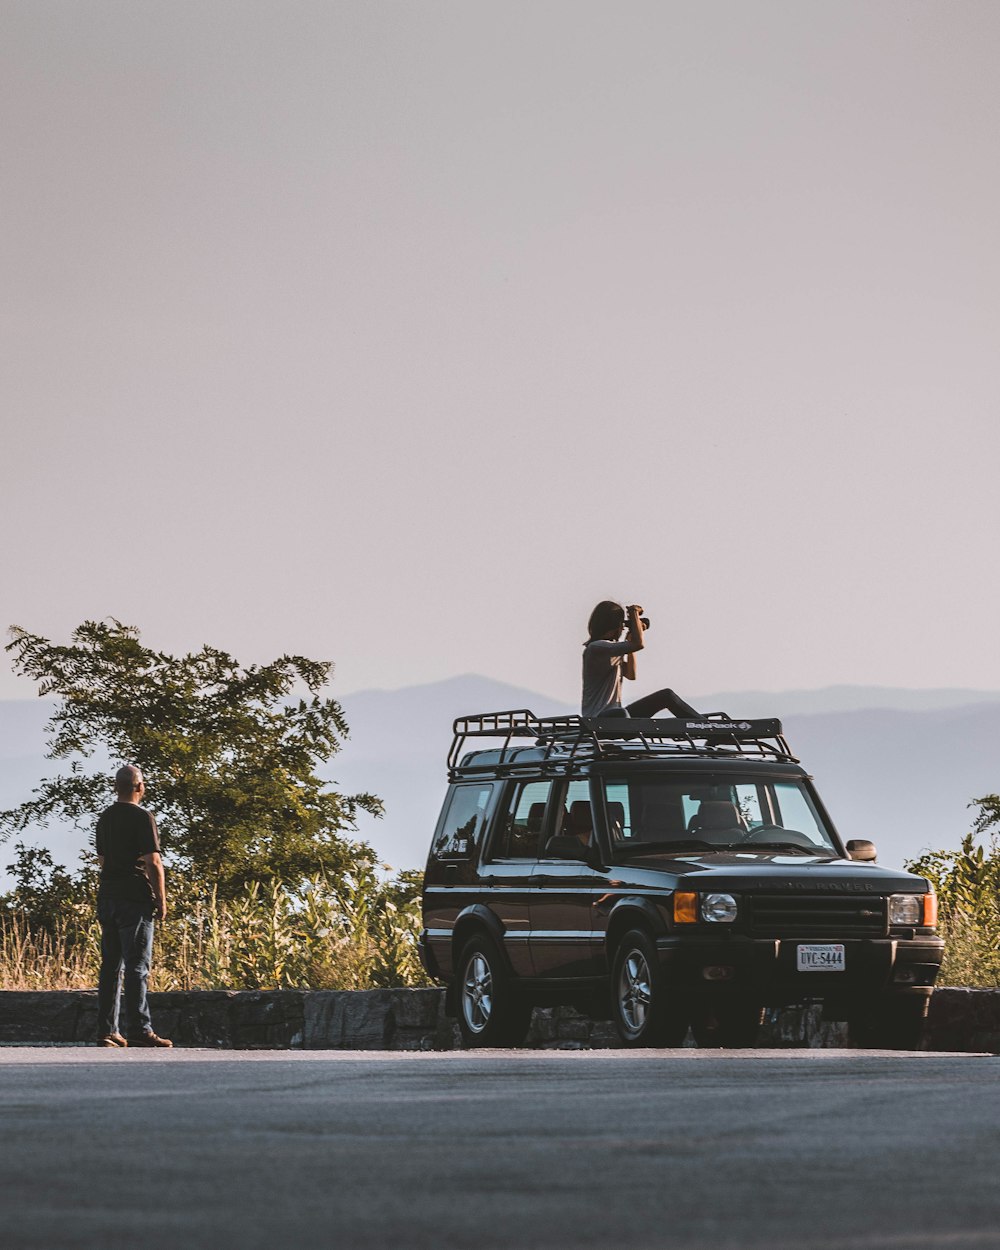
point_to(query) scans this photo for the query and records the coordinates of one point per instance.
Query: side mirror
(861, 848)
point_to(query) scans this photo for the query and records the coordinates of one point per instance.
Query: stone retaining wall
(965, 1020)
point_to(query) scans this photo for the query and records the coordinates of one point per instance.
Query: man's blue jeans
(126, 946)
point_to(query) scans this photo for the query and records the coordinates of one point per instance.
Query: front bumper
(765, 968)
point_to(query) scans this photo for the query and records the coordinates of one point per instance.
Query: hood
(772, 872)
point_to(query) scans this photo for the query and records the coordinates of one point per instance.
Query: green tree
(989, 812)
(44, 892)
(228, 753)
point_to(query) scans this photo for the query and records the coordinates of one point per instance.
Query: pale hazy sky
(399, 334)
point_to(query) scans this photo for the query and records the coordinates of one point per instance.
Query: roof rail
(567, 739)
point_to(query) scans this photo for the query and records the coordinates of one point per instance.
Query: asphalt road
(684, 1149)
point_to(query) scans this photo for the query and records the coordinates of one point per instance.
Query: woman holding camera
(607, 658)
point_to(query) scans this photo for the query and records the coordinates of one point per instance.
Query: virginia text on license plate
(821, 958)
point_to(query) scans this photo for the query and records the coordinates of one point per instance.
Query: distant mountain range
(898, 766)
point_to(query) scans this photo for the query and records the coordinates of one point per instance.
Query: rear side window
(463, 820)
(619, 811)
(572, 820)
(519, 834)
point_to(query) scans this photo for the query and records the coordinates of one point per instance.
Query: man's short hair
(128, 779)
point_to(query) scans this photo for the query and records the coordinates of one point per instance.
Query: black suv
(667, 873)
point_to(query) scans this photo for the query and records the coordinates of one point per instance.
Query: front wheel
(644, 1010)
(490, 1012)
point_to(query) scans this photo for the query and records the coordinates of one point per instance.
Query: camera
(643, 620)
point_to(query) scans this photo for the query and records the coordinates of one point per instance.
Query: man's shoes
(114, 1040)
(150, 1040)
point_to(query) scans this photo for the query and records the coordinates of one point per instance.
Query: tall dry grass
(60, 958)
(359, 936)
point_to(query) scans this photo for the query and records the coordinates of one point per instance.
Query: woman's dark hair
(607, 616)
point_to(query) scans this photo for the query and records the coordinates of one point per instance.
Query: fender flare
(469, 919)
(632, 910)
(476, 915)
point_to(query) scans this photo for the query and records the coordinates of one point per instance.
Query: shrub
(967, 882)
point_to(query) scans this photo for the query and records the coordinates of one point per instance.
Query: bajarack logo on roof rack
(714, 726)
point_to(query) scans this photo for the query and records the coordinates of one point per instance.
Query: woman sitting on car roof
(607, 658)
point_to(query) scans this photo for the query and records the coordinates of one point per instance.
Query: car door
(563, 940)
(507, 874)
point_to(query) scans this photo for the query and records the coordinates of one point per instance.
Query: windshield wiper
(674, 844)
(781, 846)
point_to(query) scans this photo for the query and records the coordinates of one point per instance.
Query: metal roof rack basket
(564, 740)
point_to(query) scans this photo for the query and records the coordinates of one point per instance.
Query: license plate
(821, 958)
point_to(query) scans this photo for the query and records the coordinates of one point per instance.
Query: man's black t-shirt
(126, 831)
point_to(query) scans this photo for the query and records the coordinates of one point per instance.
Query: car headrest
(579, 817)
(536, 814)
(717, 814)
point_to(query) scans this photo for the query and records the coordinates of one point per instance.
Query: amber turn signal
(685, 907)
(930, 910)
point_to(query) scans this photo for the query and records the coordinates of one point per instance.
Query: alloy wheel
(634, 991)
(477, 993)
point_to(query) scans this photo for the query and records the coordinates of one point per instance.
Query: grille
(818, 915)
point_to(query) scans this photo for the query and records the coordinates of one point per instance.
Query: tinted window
(519, 834)
(794, 810)
(463, 820)
(717, 811)
(573, 821)
(619, 811)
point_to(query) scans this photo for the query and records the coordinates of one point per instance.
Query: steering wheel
(791, 836)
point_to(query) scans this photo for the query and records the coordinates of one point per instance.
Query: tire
(893, 1024)
(490, 1013)
(732, 1025)
(645, 1010)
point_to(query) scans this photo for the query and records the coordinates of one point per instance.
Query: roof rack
(564, 740)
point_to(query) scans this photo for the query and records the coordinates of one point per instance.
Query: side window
(796, 814)
(519, 834)
(619, 810)
(463, 820)
(573, 818)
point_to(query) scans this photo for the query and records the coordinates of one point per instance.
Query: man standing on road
(131, 893)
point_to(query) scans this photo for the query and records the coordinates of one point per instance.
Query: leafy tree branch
(228, 753)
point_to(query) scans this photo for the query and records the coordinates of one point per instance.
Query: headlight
(720, 908)
(906, 908)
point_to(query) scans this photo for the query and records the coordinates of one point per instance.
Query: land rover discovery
(668, 874)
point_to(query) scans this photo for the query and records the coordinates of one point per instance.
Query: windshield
(705, 812)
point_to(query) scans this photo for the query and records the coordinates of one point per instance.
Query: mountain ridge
(902, 776)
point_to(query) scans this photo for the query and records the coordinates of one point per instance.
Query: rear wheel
(645, 1011)
(490, 1013)
(894, 1024)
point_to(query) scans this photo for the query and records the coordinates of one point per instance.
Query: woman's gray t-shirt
(602, 674)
